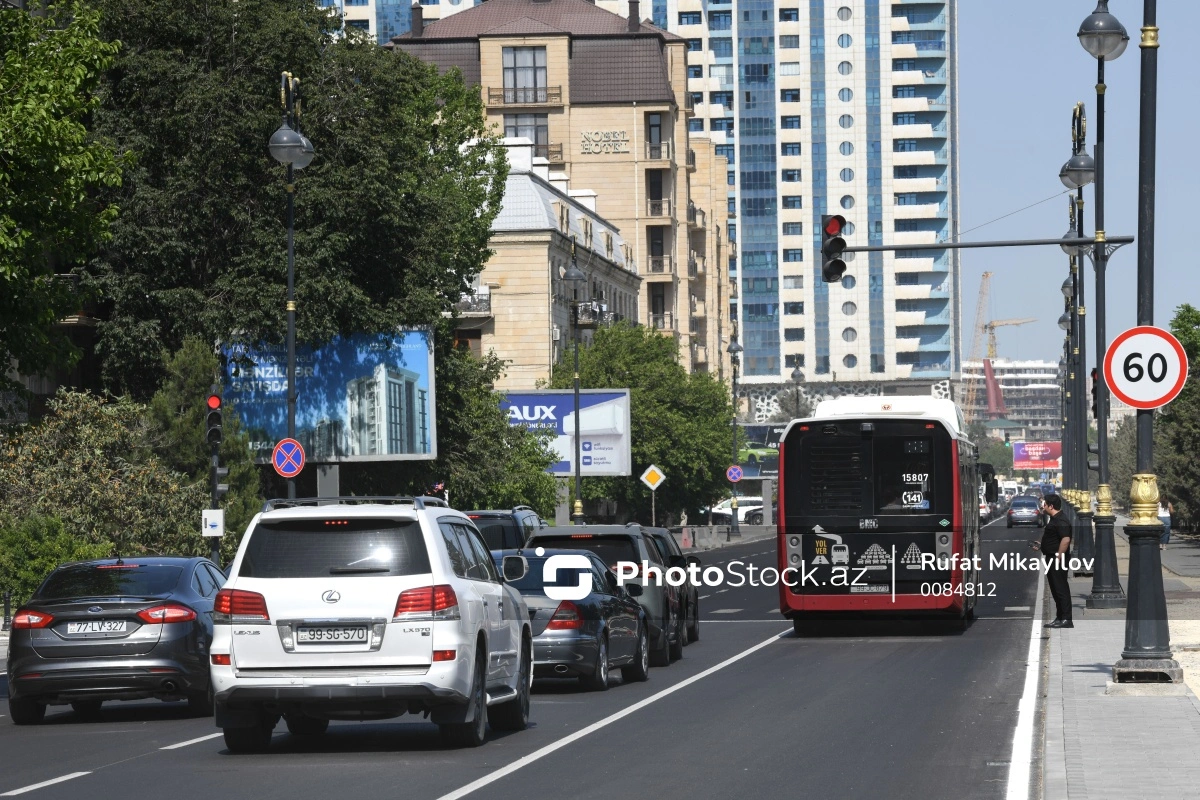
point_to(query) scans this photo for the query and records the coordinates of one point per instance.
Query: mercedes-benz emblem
(331, 596)
(95, 610)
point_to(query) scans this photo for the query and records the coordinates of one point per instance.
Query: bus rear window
(904, 474)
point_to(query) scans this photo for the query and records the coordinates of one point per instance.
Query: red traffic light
(834, 225)
(214, 401)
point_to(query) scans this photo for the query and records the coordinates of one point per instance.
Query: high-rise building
(833, 107)
(382, 19)
(1032, 393)
(389, 413)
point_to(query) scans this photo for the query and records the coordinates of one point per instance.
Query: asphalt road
(903, 711)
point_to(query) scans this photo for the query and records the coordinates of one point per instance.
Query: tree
(792, 405)
(1177, 427)
(30, 548)
(680, 422)
(392, 217)
(50, 167)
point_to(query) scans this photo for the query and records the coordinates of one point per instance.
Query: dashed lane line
(1017, 608)
(44, 784)
(191, 741)
(726, 611)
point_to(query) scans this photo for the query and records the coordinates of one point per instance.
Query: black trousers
(1060, 589)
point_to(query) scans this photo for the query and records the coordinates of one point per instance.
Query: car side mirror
(693, 560)
(633, 589)
(514, 568)
(678, 561)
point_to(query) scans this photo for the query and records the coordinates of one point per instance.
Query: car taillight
(444, 655)
(566, 618)
(24, 620)
(428, 602)
(221, 659)
(240, 605)
(166, 613)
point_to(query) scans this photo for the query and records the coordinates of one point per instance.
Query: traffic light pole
(1079, 241)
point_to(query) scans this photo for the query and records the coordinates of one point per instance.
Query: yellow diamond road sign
(653, 477)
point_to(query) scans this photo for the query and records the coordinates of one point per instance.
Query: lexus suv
(366, 609)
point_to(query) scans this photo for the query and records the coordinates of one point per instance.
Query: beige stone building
(603, 99)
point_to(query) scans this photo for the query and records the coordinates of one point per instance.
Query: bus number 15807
(915, 477)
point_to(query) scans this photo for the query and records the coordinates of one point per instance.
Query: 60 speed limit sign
(1145, 367)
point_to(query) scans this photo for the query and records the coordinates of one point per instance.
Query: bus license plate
(328, 634)
(97, 626)
(871, 588)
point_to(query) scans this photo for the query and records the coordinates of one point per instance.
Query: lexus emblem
(331, 596)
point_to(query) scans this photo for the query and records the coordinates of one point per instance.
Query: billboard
(604, 429)
(358, 398)
(758, 449)
(1037, 455)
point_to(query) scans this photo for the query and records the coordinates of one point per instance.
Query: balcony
(696, 267)
(658, 208)
(663, 322)
(696, 217)
(662, 265)
(475, 305)
(733, 289)
(698, 307)
(526, 96)
(699, 354)
(658, 151)
(691, 159)
(551, 152)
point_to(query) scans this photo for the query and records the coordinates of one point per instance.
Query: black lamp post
(293, 149)
(1147, 653)
(576, 280)
(1105, 39)
(735, 353)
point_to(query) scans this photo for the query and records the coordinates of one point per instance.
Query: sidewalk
(1103, 746)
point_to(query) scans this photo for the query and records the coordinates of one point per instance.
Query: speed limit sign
(1145, 367)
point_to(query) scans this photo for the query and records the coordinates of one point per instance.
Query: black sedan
(689, 593)
(117, 629)
(581, 636)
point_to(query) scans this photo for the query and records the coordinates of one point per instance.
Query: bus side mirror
(990, 491)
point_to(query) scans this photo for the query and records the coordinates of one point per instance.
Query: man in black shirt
(1055, 547)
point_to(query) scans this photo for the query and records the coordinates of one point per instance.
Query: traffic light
(1095, 402)
(832, 245)
(219, 489)
(1007, 440)
(213, 419)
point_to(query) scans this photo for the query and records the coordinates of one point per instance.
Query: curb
(698, 538)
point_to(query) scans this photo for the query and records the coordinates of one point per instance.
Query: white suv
(363, 609)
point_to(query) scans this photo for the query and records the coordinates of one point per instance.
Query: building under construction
(1028, 394)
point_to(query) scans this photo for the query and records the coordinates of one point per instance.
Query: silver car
(1024, 511)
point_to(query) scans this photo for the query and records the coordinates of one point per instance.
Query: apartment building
(603, 97)
(381, 19)
(1032, 393)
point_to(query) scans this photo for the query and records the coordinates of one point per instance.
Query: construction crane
(972, 387)
(990, 327)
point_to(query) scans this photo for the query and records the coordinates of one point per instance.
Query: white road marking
(1016, 608)
(191, 741)
(537, 755)
(1022, 748)
(725, 611)
(722, 591)
(50, 782)
(705, 596)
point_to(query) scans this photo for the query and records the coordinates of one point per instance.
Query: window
(848, 230)
(731, 207)
(844, 13)
(793, 334)
(789, 95)
(844, 40)
(725, 125)
(689, 18)
(846, 175)
(905, 172)
(904, 91)
(722, 72)
(732, 228)
(534, 127)
(720, 20)
(904, 146)
(790, 122)
(695, 45)
(904, 119)
(904, 65)
(845, 120)
(791, 176)
(725, 150)
(793, 308)
(848, 282)
(845, 95)
(359, 24)
(793, 229)
(697, 98)
(458, 560)
(308, 549)
(793, 255)
(793, 361)
(793, 281)
(524, 74)
(721, 46)
(721, 99)
(696, 125)
(846, 148)
(731, 177)
(850, 361)
(849, 309)
(906, 199)
(793, 201)
(789, 15)
(695, 72)
(845, 68)
(847, 202)
(789, 68)
(789, 149)
(905, 226)
(789, 42)
(849, 335)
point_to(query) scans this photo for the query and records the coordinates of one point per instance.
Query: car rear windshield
(1024, 502)
(611, 549)
(321, 548)
(110, 580)
(500, 533)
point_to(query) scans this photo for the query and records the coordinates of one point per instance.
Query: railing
(691, 158)
(696, 266)
(551, 152)
(526, 96)
(475, 304)
(658, 208)
(656, 151)
(696, 216)
(663, 322)
(661, 264)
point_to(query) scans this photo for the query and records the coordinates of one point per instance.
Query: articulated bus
(879, 511)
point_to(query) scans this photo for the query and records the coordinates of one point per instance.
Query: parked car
(1025, 511)
(584, 637)
(337, 610)
(114, 629)
(615, 543)
(690, 594)
(507, 529)
(722, 512)
(755, 516)
(985, 510)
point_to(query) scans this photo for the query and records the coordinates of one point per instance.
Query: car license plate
(356, 634)
(97, 626)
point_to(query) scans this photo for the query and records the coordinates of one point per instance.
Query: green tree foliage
(1122, 460)
(50, 63)
(178, 413)
(91, 464)
(1177, 427)
(792, 405)
(392, 216)
(680, 422)
(33, 546)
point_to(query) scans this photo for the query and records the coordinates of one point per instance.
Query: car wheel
(87, 709)
(693, 631)
(639, 669)
(514, 714)
(676, 651)
(598, 680)
(200, 704)
(299, 725)
(255, 739)
(661, 656)
(26, 711)
(473, 733)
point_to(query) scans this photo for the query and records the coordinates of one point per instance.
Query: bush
(31, 547)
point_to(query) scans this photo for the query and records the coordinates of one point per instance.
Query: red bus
(879, 511)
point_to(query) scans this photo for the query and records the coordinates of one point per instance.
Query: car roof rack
(420, 502)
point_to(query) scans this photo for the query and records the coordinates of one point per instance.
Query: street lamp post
(1105, 39)
(576, 280)
(1147, 652)
(293, 149)
(735, 352)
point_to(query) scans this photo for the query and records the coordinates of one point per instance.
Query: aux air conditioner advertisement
(604, 430)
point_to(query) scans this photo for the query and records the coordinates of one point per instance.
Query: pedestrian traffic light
(1095, 385)
(832, 245)
(213, 419)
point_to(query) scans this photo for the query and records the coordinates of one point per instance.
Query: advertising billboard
(604, 429)
(358, 398)
(758, 449)
(1037, 455)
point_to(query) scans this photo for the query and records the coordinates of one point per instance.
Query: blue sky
(1021, 71)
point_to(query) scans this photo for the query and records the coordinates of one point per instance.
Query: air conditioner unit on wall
(555, 333)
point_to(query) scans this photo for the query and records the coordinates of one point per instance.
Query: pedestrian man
(1055, 547)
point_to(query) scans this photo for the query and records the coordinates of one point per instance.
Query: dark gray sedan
(581, 636)
(1024, 511)
(117, 629)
